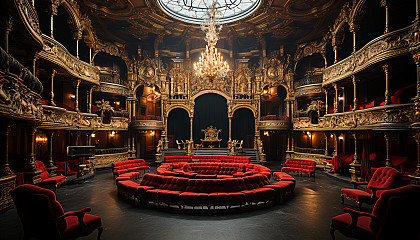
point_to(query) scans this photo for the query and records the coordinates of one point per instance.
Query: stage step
(212, 151)
(250, 152)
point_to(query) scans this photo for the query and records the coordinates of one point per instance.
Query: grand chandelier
(210, 64)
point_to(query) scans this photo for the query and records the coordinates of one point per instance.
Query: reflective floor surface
(306, 216)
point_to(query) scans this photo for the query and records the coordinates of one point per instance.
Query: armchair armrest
(79, 214)
(356, 184)
(375, 189)
(356, 214)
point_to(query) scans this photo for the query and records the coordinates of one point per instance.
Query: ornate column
(335, 153)
(77, 37)
(6, 26)
(335, 98)
(30, 171)
(35, 57)
(416, 135)
(388, 161)
(293, 141)
(355, 165)
(326, 143)
(49, 164)
(355, 80)
(230, 129)
(191, 128)
(387, 93)
(334, 44)
(89, 100)
(5, 128)
(76, 103)
(416, 99)
(326, 100)
(385, 3)
(52, 10)
(52, 87)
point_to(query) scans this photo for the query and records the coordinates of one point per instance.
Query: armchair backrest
(398, 208)
(44, 174)
(38, 210)
(384, 177)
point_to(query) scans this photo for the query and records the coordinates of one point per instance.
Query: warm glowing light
(112, 134)
(41, 139)
(210, 64)
(266, 133)
(72, 96)
(152, 133)
(117, 103)
(93, 135)
(265, 91)
(341, 137)
(331, 135)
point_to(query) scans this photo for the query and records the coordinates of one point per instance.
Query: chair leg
(332, 230)
(100, 230)
(342, 198)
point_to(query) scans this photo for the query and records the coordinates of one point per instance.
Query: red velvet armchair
(394, 216)
(383, 179)
(43, 217)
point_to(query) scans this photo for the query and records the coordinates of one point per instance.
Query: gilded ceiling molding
(310, 12)
(125, 12)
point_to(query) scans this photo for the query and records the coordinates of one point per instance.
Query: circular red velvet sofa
(206, 184)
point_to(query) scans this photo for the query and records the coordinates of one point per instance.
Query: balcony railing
(314, 79)
(110, 150)
(272, 123)
(30, 18)
(310, 150)
(393, 116)
(55, 52)
(60, 118)
(396, 43)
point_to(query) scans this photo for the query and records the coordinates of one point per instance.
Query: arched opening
(178, 126)
(148, 104)
(210, 110)
(272, 103)
(62, 31)
(113, 69)
(243, 127)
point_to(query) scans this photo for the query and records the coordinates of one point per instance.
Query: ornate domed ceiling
(279, 21)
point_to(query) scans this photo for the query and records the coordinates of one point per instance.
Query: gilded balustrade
(273, 125)
(389, 117)
(60, 118)
(55, 52)
(390, 45)
(29, 18)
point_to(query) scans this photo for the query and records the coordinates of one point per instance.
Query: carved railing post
(49, 164)
(387, 92)
(52, 10)
(416, 135)
(76, 104)
(385, 4)
(326, 100)
(30, 171)
(326, 143)
(355, 166)
(52, 88)
(388, 162)
(335, 98)
(355, 80)
(6, 25)
(5, 128)
(335, 153)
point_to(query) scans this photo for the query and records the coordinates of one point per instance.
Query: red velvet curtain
(365, 164)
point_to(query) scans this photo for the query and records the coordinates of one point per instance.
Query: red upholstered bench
(170, 159)
(129, 166)
(47, 181)
(300, 165)
(282, 176)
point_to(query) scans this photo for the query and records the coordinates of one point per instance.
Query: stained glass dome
(194, 11)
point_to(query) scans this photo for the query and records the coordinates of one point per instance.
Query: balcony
(60, 118)
(147, 123)
(387, 117)
(273, 123)
(29, 18)
(56, 53)
(390, 45)
(308, 85)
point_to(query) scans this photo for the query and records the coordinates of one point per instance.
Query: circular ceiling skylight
(194, 11)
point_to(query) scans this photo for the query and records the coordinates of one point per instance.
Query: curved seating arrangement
(300, 165)
(174, 188)
(207, 158)
(212, 170)
(129, 166)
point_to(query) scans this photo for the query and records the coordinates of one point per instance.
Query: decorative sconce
(41, 140)
(341, 137)
(266, 133)
(112, 134)
(73, 97)
(152, 133)
(93, 135)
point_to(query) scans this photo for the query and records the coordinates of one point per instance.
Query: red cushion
(344, 220)
(73, 228)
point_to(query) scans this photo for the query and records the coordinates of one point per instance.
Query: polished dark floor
(306, 216)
